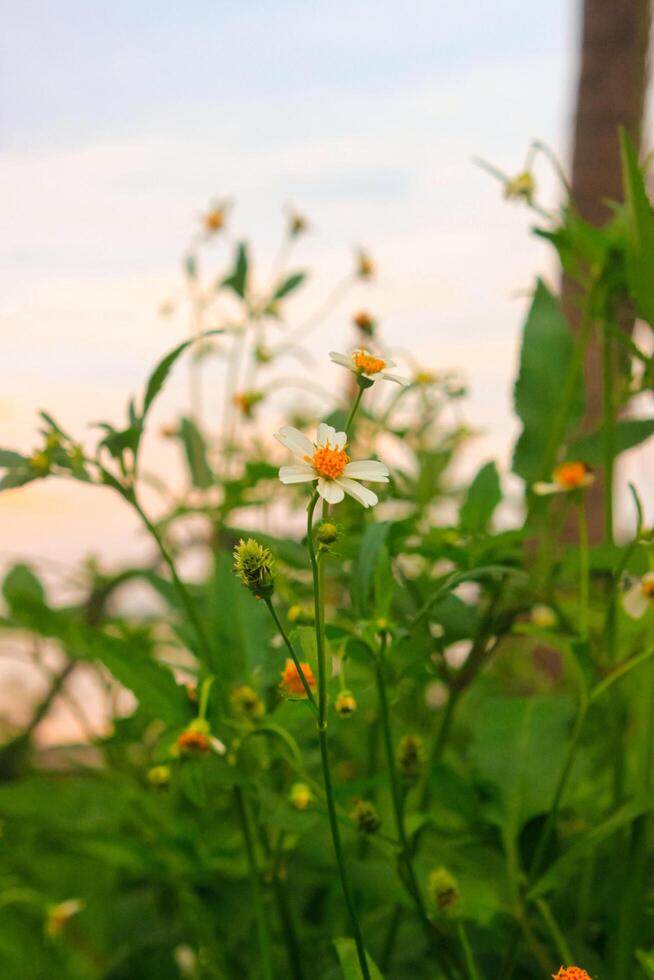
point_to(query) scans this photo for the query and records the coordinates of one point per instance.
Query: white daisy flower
(365, 365)
(327, 461)
(565, 478)
(640, 597)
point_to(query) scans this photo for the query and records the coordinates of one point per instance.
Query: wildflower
(410, 757)
(159, 775)
(571, 973)
(197, 738)
(345, 704)
(245, 402)
(292, 682)
(365, 266)
(443, 890)
(327, 533)
(302, 615)
(40, 462)
(368, 367)
(246, 702)
(327, 462)
(543, 616)
(214, 219)
(300, 796)
(566, 478)
(253, 564)
(365, 816)
(640, 597)
(365, 322)
(58, 915)
(520, 187)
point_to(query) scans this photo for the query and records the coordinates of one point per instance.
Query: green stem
(257, 896)
(354, 409)
(289, 647)
(468, 955)
(318, 593)
(608, 431)
(559, 940)
(584, 571)
(180, 587)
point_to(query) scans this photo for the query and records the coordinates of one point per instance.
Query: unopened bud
(410, 757)
(300, 796)
(253, 564)
(443, 890)
(345, 704)
(366, 817)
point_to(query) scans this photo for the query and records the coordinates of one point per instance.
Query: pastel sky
(120, 121)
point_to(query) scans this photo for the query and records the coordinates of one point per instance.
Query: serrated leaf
(484, 494)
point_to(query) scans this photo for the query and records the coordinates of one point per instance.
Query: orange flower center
(571, 973)
(292, 682)
(329, 462)
(571, 476)
(193, 741)
(367, 363)
(647, 586)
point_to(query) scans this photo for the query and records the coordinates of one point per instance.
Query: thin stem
(180, 588)
(354, 409)
(468, 955)
(584, 571)
(257, 897)
(608, 431)
(289, 646)
(558, 938)
(318, 592)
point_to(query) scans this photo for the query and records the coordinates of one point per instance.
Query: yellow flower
(327, 461)
(366, 365)
(566, 478)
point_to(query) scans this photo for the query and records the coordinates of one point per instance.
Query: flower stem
(289, 646)
(354, 409)
(584, 571)
(318, 592)
(468, 955)
(257, 897)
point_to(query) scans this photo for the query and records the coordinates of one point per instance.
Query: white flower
(364, 364)
(565, 478)
(328, 462)
(640, 597)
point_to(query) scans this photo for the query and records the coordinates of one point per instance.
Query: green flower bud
(366, 817)
(300, 796)
(443, 891)
(345, 704)
(253, 564)
(159, 776)
(327, 533)
(410, 757)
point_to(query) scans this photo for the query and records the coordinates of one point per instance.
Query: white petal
(330, 491)
(367, 469)
(343, 360)
(389, 376)
(299, 473)
(360, 493)
(543, 489)
(295, 440)
(326, 434)
(340, 439)
(634, 602)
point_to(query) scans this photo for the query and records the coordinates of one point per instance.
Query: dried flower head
(410, 757)
(364, 813)
(345, 704)
(291, 682)
(253, 564)
(246, 702)
(443, 891)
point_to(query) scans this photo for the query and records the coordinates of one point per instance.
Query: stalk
(317, 568)
(289, 647)
(468, 955)
(584, 571)
(257, 896)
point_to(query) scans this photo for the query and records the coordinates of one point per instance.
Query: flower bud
(246, 702)
(159, 776)
(300, 796)
(253, 564)
(297, 224)
(40, 463)
(365, 266)
(195, 738)
(365, 322)
(327, 533)
(410, 758)
(345, 704)
(443, 891)
(365, 816)
(520, 187)
(543, 616)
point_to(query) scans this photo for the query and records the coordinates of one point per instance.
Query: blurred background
(121, 122)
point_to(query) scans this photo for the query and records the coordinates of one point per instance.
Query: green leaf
(483, 497)
(628, 433)
(237, 280)
(195, 449)
(158, 377)
(289, 285)
(640, 218)
(10, 459)
(518, 746)
(21, 585)
(372, 545)
(646, 960)
(347, 954)
(546, 355)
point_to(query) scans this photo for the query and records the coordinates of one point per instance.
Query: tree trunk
(611, 93)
